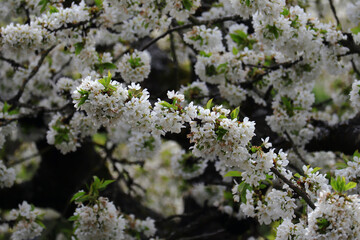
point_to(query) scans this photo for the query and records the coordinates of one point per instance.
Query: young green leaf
(209, 104)
(233, 174)
(78, 47)
(77, 195)
(235, 113)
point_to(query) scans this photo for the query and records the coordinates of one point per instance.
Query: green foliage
(44, 4)
(7, 108)
(187, 4)
(78, 47)
(340, 185)
(273, 32)
(220, 133)
(355, 30)
(53, 9)
(62, 134)
(210, 70)
(322, 224)
(197, 38)
(243, 186)
(242, 40)
(235, 113)
(233, 174)
(135, 62)
(84, 96)
(289, 106)
(92, 194)
(209, 104)
(204, 54)
(109, 89)
(99, 3)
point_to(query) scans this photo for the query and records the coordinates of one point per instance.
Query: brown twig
(298, 190)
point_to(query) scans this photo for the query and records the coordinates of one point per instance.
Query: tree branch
(31, 75)
(298, 190)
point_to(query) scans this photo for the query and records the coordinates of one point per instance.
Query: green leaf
(297, 175)
(322, 224)
(204, 54)
(355, 30)
(220, 133)
(350, 185)
(187, 4)
(166, 104)
(356, 154)
(242, 190)
(315, 170)
(106, 183)
(221, 68)
(53, 9)
(73, 218)
(78, 47)
(285, 12)
(38, 221)
(339, 185)
(44, 3)
(135, 62)
(77, 195)
(209, 104)
(233, 174)
(98, 3)
(235, 113)
(210, 70)
(109, 65)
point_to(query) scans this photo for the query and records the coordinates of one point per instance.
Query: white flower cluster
(207, 194)
(352, 171)
(146, 227)
(352, 10)
(257, 166)
(135, 67)
(213, 134)
(67, 136)
(248, 8)
(64, 17)
(7, 176)
(102, 103)
(276, 204)
(180, 10)
(355, 95)
(23, 37)
(205, 39)
(211, 67)
(335, 217)
(291, 112)
(7, 130)
(185, 165)
(313, 182)
(196, 92)
(288, 230)
(143, 145)
(100, 221)
(27, 222)
(171, 117)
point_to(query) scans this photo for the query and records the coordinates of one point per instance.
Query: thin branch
(175, 59)
(31, 75)
(13, 63)
(334, 12)
(189, 25)
(298, 190)
(356, 70)
(295, 149)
